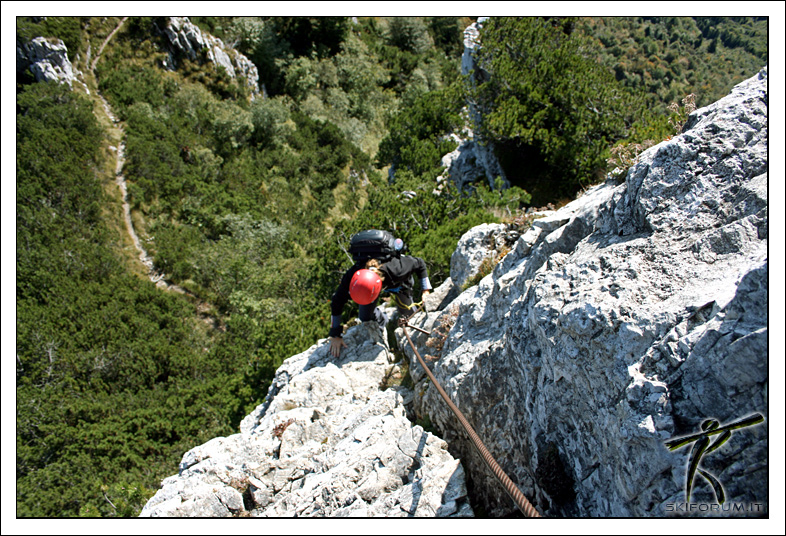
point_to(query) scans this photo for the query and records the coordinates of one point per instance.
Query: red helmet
(365, 286)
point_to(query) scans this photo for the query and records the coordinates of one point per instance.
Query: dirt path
(157, 277)
(103, 45)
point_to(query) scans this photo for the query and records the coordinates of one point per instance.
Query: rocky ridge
(330, 440)
(186, 39)
(625, 318)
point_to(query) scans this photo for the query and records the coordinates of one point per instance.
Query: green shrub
(68, 29)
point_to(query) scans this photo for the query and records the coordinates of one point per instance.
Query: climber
(386, 269)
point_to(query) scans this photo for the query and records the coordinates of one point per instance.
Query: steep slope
(626, 318)
(328, 441)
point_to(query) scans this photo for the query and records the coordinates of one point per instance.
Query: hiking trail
(156, 276)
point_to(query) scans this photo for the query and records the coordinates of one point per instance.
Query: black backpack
(373, 244)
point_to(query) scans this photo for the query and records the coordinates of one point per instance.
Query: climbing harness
(397, 300)
(513, 491)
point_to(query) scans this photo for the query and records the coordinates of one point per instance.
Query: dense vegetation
(248, 204)
(112, 379)
(563, 90)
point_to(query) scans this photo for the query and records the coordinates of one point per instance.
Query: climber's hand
(423, 299)
(336, 344)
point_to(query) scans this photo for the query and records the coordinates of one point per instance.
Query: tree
(417, 137)
(409, 34)
(322, 35)
(550, 108)
(448, 34)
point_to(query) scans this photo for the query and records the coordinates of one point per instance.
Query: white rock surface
(625, 318)
(488, 240)
(186, 38)
(46, 58)
(327, 442)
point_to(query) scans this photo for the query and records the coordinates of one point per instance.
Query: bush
(68, 29)
(409, 34)
(418, 133)
(108, 368)
(127, 84)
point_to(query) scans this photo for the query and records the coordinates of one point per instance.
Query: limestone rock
(617, 322)
(486, 241)
(46, 58)
(329, 441)
(187, 39)
(627, 317)
(474, 158)
(441, 296)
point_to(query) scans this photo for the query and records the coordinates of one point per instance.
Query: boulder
(46, 58)
(487, 241)
(186, 39)
(628, 317)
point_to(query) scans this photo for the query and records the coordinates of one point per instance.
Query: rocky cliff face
(627, 317)
(330, 440)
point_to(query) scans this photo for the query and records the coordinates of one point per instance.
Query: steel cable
(513, 491)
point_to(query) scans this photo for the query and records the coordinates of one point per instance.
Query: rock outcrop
(474, 158)
(46, 58)
(330, 440)
(480, 243)
(188, 40)
(626, 318)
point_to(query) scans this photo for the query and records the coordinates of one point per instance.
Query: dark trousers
(372, 312)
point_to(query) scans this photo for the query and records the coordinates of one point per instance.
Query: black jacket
(398, 272)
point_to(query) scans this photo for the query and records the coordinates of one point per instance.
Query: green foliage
(409, 34)
(251, 206)
(448, 34)
(217, 26)
(549, 99)
(418, 137)
(69, 29)
(109, 369)
(176, 247)
(541, 116)
(126, 500)
(234, 268)
(312, 35)
(666, 58)
(125, 85)
(257, 39)
(48, 118)
(269, 117)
